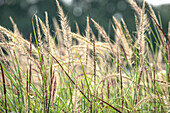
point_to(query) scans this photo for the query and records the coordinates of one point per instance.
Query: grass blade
(3, 77)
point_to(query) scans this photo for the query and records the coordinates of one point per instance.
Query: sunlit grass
(79, 73)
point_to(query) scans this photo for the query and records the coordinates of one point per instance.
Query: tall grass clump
(81, 73)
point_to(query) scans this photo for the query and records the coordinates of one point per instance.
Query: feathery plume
(103, 33)
(94, 60)
(13, 37)
(128, 51)
(136, 23)
(59, 35)
(88, 38)
(127, 31)
(66, 29)
(139, 13)
(16, 31)
(77, 28)
(141, 33)
(39, 34)
(53, 89)
(50, 40)
(47, 36)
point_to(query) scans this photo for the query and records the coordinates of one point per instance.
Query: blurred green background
(76, 10)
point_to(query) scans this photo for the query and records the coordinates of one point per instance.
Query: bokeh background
(77, 11)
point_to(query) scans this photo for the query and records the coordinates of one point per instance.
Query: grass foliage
(72, 72)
